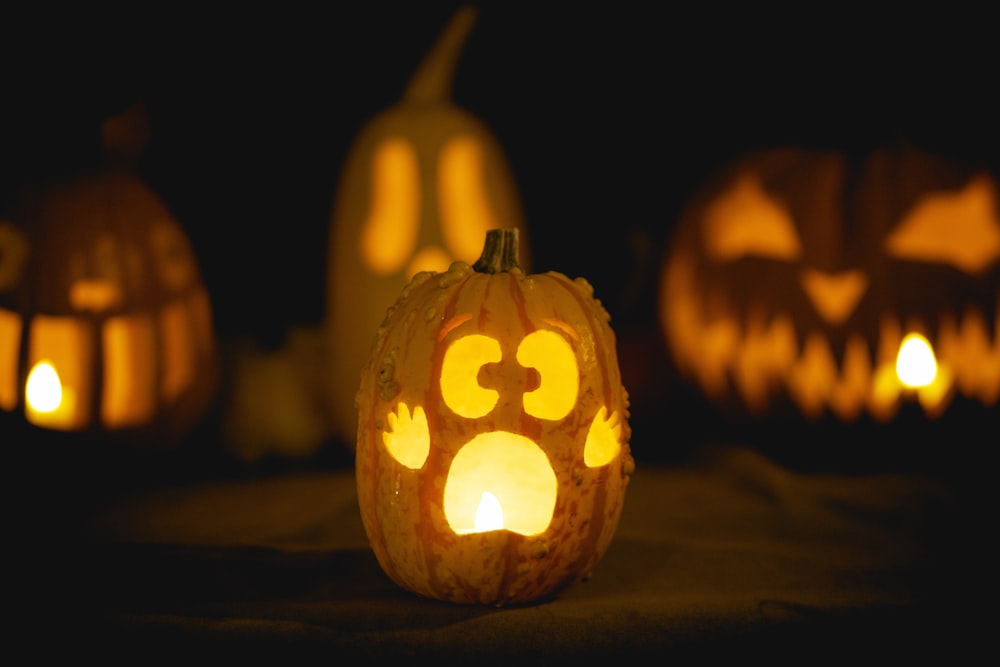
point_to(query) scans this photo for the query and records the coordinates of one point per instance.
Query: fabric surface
(728, 553)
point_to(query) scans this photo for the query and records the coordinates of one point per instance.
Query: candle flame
(489, 516)
(915, 363)
(44, 390)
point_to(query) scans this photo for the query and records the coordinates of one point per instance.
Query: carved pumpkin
(105, 325)
(493, 438)
(422, 184)
(842, 286)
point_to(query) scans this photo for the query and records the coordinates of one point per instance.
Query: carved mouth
(759, 362)
(500, 480)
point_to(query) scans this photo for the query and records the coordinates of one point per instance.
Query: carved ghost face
(104, 322)
(799, 275)
(493, 437)
(423, 183)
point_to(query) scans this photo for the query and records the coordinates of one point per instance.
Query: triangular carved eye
(745, 221)
(958, 228)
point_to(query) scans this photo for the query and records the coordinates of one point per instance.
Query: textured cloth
(727, 553)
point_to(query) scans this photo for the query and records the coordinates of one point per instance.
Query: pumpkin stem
(431, 82)
(499, 252)
(125, 135)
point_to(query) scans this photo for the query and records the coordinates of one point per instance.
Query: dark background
(610, 117)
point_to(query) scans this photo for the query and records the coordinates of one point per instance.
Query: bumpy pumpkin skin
(403, 509)
(429, 126)
(794, 274)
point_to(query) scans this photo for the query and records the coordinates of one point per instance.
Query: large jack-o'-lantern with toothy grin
(493, 439)
(845, 285)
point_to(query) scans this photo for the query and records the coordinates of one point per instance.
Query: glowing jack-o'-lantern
(105, 325)
(493, 439)
(423, 183)
(846, 286)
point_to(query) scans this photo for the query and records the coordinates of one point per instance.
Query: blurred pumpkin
(105, 324)
(423, 182)
(844, 284)
(493, 438)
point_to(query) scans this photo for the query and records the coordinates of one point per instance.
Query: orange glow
(460, 387)
(407, 437)
(10, 340)
(63, 346)
(603, 439)
(466, 212)
(762, 358)
(179, 345)
(960, 228)
(95, 295)
(555, 360)
(130, 391)
(44, 390)
(746, 221)
(512, 470)
(430, 258)
(834, 295)
(389, 233)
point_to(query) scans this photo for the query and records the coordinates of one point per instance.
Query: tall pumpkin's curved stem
(499, 252)
(432, 80)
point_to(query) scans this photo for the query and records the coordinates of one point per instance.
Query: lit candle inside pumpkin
(49, 403)
(918, 372)
(522, 486)
(489, 515)
(915, 364)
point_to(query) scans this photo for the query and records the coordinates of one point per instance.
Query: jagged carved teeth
(759, 360)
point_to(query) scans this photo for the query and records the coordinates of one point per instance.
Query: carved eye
(550, 354)
(389, 233)
(958, 228)
(745, 221)
(460, 387)
(465, 208)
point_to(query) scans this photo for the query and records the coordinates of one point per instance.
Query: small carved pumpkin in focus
(422, 184)
(493, 438)
(845, 284)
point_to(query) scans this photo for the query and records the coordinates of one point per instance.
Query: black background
(610, 116)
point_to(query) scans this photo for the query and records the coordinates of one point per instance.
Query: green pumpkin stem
(499, 252)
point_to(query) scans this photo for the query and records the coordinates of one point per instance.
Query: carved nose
(512, 378)
(835, 296)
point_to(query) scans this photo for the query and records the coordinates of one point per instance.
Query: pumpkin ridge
(431, 496)
(587, 310)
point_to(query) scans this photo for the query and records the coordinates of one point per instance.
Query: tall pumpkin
(841, 285)
(493, 437)
(105, 324)
(422, 183)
